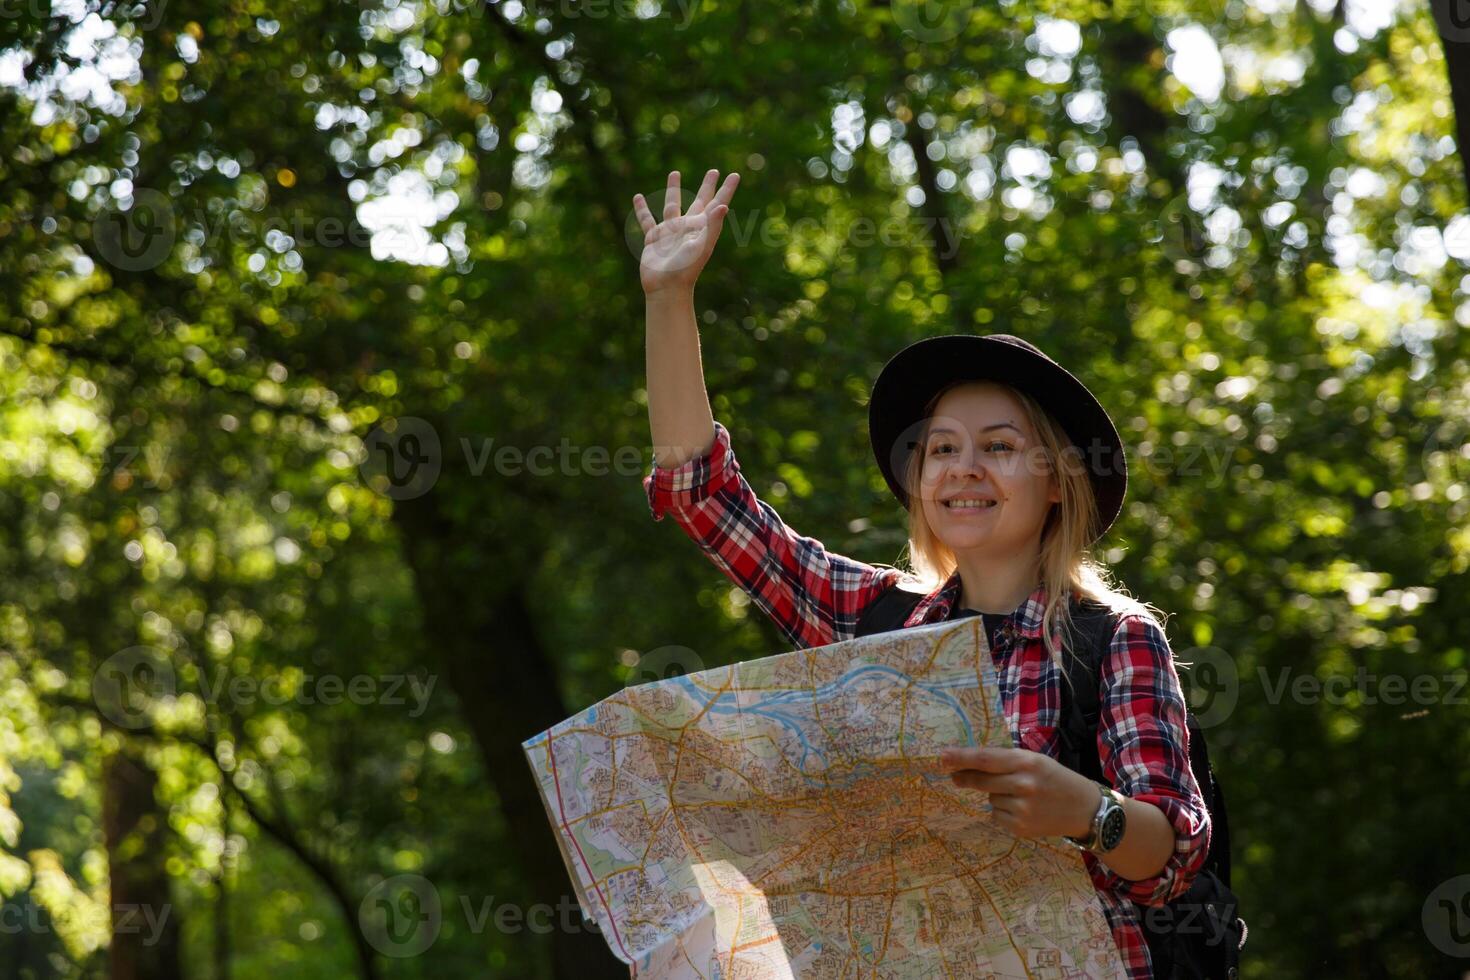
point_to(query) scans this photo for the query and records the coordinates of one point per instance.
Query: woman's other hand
(1031, 794)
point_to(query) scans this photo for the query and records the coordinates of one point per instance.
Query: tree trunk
(145, 923)
(481, 633)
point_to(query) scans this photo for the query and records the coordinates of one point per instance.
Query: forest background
(324, 425)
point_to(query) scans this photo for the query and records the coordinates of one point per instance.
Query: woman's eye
(944, 448)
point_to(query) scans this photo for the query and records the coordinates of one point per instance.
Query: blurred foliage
(243, 245)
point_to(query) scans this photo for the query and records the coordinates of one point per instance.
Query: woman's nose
(969, 460)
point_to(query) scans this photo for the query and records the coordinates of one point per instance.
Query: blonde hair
(1068, 567)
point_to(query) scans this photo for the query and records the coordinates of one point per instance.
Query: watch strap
(1108, 799)
(1095, 827)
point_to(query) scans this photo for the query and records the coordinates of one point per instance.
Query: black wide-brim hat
(912, 376)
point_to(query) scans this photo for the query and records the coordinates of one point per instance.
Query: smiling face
(982, 449)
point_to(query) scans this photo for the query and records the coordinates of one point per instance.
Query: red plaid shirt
(815, 598)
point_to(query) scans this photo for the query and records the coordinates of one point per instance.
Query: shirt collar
(937, 606)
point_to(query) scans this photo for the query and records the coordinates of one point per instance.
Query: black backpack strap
(888, 612)
(1173, 951)
(1219, 856)
(1081, 715)
(1081, 708)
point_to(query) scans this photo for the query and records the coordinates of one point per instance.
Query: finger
(706, 191)
(671, 197)
(1004, 805)
(727, 189)
(989, 782)
(691, 224)
(716, 222)
(983, 758)
(1008, 819)
(645, 217)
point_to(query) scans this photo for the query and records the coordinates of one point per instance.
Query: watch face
(1112, 829)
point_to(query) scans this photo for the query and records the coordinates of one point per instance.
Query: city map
(786, 817)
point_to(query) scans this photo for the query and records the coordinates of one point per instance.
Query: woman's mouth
(969, 506)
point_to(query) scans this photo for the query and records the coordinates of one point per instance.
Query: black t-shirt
(992, 621)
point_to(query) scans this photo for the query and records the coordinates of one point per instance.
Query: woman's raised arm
(813, 595)
(674, 253)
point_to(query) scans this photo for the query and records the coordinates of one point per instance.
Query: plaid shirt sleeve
(1143, 744)
(812, 595)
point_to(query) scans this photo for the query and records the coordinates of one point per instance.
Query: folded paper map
(786, 817)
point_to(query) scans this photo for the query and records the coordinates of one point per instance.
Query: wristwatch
(1107, 824)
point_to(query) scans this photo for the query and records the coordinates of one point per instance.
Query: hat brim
(914, 374)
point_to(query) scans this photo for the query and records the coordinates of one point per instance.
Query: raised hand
(676, 249)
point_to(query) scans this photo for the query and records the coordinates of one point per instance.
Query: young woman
(1009, 470)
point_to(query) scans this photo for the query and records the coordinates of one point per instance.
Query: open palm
(676, 249)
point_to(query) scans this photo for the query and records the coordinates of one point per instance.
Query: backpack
(1198, 936)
